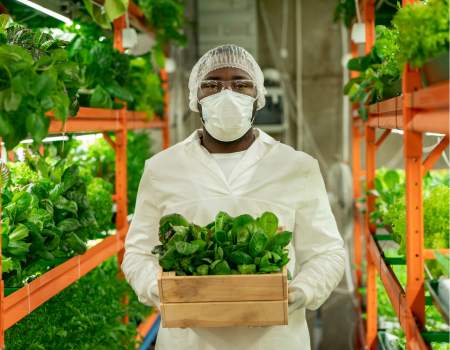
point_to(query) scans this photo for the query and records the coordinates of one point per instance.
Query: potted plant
(379, 77)
(423, 39)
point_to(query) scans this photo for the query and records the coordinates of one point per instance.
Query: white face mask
(227, 115)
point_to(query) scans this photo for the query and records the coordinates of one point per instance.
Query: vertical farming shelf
(419, 110)
(23, 301)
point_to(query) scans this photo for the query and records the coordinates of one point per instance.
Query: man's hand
(296, 298)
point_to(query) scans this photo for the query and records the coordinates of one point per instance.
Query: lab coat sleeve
(319, 248)
(139, 265)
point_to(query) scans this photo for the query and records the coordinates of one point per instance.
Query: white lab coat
(271, 176)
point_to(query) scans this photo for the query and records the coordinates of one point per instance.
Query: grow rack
(23, 301)
(418, 110)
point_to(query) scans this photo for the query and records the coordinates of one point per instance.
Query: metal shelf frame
(22, 302)
(419, 110)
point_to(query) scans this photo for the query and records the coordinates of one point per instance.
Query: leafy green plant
(240, 245)
(138, 151)
(423, 31)
(390, 210)
(99, 193)
(87, 315)
(36, 76)
(389, 187)
(47, 216)
(105, 14)
(436, 214)
(390, 207)
(388, 317)
(380, 71)
(104, 70)
(145, 86)
(166, 17)
(110, 78)
(420, 32)
(99, 161)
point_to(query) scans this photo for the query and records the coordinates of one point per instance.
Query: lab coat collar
(260, 147)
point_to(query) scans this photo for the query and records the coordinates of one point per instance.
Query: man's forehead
(228, 73)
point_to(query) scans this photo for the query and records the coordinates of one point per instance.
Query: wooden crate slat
(223, 300)
(225, 314)
(178, 289)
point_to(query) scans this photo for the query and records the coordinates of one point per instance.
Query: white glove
(296, 299)
(154, 295)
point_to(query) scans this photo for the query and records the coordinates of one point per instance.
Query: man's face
(230, 78)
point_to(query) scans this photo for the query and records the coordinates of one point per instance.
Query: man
(231, 166)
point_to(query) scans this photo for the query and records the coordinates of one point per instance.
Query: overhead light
(47, 11)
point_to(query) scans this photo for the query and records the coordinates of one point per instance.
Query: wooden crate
(223, 300)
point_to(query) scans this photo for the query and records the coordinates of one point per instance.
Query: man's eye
(209, 86)
(243, 85)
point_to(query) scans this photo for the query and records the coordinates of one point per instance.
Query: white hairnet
(228, 55)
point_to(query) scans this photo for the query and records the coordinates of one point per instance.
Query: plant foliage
(48, 216)
(111, 78)
(379, 72)
(99, 161)
(240, 245)
(87, 315)
(167, 17)
(36, 76)
(419, 32)
(105, 14)
(390, 210)
(423, 31)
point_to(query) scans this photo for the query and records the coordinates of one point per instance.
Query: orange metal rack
(22, 302)
(418, 110)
